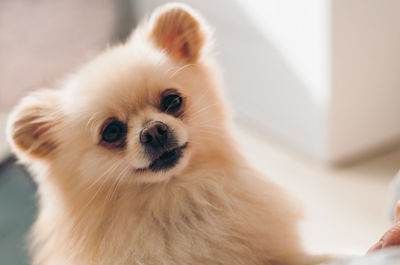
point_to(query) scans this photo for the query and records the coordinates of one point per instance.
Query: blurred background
(314, 84)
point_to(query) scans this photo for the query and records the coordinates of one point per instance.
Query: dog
(135, 163)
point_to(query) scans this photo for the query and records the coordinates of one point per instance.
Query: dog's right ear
(31, 125)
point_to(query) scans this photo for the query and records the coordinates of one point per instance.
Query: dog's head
(141, 111)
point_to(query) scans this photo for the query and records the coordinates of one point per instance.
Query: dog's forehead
(122, 85)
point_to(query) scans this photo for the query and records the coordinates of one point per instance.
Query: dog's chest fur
(201, 221)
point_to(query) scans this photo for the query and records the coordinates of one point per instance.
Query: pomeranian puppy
(135, 162)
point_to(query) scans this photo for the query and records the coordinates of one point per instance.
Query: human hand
(392, 236)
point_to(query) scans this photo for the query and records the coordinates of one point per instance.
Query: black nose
(154, 135)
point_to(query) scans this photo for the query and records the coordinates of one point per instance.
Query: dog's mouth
(165, 161)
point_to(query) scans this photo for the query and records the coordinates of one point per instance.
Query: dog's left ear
(178, 30)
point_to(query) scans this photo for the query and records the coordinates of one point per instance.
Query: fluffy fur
(97, 203)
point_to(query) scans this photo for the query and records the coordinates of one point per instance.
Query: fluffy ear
(179, 31)
(31, 124)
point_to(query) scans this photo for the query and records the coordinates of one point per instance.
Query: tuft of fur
(97, 207)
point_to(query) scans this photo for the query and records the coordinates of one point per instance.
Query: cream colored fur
(96, 208)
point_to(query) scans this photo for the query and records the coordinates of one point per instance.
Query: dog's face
(139, 112)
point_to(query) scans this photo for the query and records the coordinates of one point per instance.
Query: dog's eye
(114, 132)
(171, 103)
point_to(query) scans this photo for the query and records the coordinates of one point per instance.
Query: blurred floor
(345, 207)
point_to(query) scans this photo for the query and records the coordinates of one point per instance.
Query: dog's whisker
(92, 120)
(117, 181)
(103, 180)
(199, 100)
(209, 130)
(195, 115)
(179, 70)
(203, 95)
(210, 123)
(103, 175)
(215, 118)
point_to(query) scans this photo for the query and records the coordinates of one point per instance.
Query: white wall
(288, 70)
(365, 108)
